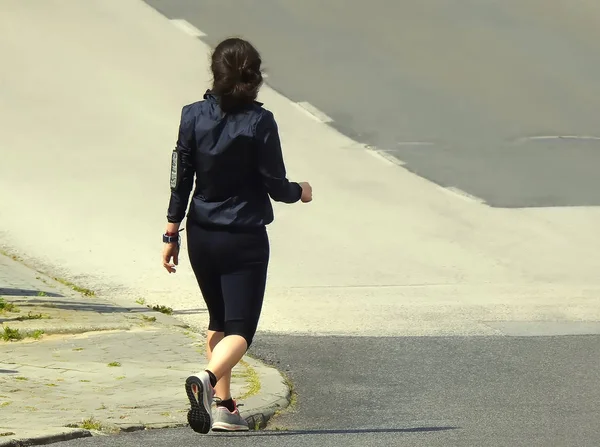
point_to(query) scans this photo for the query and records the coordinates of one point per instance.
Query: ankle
(212, 377)
(227, 403)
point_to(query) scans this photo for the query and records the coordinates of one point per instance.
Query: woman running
(230, 143)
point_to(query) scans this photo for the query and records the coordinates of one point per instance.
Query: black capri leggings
(231, 269)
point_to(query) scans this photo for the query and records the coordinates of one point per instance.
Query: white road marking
(562, 137)
(462, 194)
(313, 112)
(187, 28)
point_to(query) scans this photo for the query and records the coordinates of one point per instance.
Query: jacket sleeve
(270, 162)
(182, 167)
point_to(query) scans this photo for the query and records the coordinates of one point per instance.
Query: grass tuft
(31, 316)
(11, 334)
(36, 335)
(76, 288)
(16, 335)
(162, 309)
(5, 306)
(251, 376)
(91, 424)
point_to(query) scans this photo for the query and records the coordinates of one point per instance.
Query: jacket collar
(209, 95)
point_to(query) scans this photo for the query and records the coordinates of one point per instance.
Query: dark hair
(236, 73)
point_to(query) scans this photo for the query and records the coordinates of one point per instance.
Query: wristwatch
(169, 239)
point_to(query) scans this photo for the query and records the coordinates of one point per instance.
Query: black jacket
(238, 164)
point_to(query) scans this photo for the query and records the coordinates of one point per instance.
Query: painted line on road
(187, 28)
(561, 137)
(313, 112)
(462, 194)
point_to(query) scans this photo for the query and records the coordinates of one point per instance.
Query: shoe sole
(199, 416)
(222, 426)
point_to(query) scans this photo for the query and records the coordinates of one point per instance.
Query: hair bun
(247, 75)
(236, 73)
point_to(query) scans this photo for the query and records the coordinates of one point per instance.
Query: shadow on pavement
(357, 431)
(89, 306)
(26, 292)
(8, 371)
(189, 311)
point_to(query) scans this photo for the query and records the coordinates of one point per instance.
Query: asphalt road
(477, 391)
(471, 82)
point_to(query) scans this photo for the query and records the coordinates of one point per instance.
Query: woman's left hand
(170, 251)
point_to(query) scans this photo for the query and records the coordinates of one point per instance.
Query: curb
(274, 395)
(47, 439)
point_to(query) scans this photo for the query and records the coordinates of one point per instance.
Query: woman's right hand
(306, 192)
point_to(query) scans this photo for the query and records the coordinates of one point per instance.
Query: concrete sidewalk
(73, 365)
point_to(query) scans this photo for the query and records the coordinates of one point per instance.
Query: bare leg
(225, 355)
(223, 388)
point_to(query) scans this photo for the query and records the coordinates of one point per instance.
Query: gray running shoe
(225, 420)
(200, 393)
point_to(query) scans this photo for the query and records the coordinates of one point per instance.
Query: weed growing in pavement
(11, 334)
(114, 364)
(162, 309)
(147, 318)
(31, 316)
(9, 255)
(140, 301)
(7, 433)
(40, 293)
(91, 424)
(21, 378)
(77, 349)
(5, 404)
(36, 335)
(16, 335)
(251, 376)
(5, 306)
(76, 288)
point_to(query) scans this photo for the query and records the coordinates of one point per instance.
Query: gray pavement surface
(86, 366)
(469, 82)
(422, 391)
